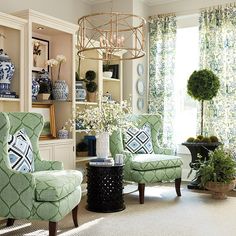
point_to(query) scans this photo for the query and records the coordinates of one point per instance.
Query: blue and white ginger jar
(7, 69)
(35, 89)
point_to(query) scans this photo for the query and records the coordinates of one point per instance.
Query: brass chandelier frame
(109, 34)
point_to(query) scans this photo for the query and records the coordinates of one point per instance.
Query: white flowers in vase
(54, 62)
(108, 118)
(60, 59)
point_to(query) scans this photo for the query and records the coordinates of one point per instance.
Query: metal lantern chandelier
(109, 34)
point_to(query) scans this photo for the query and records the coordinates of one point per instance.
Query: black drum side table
(105, 188)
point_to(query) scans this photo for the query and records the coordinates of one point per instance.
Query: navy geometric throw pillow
(139, 140)
(20, 152)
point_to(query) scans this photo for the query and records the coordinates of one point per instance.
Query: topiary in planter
(91, 87)
(203, 85)
(90, 75)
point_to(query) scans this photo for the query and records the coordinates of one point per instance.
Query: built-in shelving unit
(12, 31)
(60, 38)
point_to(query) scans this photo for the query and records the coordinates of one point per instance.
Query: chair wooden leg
(52, 228)
(177, 186)
(141, 188)
(75, 216)
(10, 222)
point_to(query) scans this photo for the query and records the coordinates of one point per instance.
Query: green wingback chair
(148, 168)
(49, 193)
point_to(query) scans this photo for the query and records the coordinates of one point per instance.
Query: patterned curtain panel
(218, 53)
(162, 36)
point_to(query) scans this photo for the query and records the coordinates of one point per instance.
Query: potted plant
(82, 149)
(202, 85)
(44, 91)
(91, 85)
(218, 172)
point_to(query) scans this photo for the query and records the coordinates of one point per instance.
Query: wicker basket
(219, 190)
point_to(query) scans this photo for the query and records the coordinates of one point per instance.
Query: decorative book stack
(102, 162)
(4, 94)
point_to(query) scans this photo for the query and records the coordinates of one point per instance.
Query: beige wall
(69, 10)
(183, 7)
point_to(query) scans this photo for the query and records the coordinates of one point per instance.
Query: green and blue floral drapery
(218, 53)
(162, 44)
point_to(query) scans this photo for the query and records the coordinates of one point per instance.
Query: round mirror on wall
(140, 86)
(140, 69)
(140, 104)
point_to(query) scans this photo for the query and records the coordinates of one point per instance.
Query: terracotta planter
(91, 97)
(219, 190)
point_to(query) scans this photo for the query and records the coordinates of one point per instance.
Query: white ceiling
(148, 2)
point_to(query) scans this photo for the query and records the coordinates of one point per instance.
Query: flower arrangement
(54, 62)
(110, 117)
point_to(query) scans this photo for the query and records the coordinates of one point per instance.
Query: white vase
(102, 145)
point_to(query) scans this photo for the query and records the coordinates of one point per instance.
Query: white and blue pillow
(20, 152)
(138, 140)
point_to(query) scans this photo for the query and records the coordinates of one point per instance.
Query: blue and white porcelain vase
(60, 90)
(63, 134)
(7, 69)
(35, 89)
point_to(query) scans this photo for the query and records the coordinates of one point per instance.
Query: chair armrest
(42, 165)
(17, 192)
(128, 156)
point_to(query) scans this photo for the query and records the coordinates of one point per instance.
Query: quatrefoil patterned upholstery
(21, 194)
(147, 168)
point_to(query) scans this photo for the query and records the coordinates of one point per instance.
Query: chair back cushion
(20, 152)
(138, 140)
(32, 123)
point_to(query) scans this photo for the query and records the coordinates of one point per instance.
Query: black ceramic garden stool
(195, 150)
(105, 188)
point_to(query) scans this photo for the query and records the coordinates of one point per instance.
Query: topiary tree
(203, 85)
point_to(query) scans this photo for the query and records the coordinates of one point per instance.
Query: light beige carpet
(163, 214)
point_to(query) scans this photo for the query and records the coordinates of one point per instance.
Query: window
(187, 60)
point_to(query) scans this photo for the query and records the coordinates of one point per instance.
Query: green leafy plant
(44, 88)
(106, 66)
(203, 139)
(91, 86)
(90, 75)
(203, 85)
(82, 147)
(220, 167)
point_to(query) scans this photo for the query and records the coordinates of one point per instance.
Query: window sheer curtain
(218, 53)
(162, 44)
